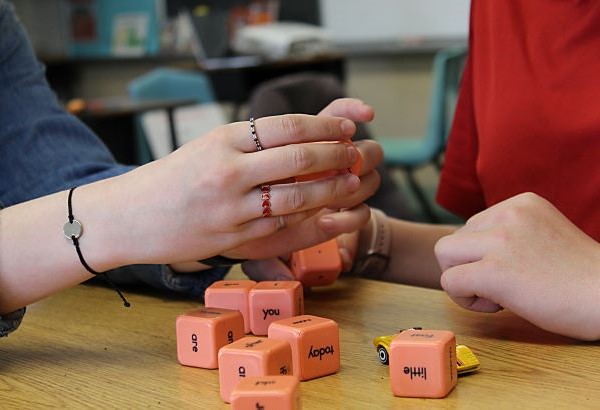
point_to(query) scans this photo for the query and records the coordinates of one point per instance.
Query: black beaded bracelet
(219, 260)
(73, 231)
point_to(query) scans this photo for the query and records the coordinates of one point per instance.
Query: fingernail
(326, 221)
(327, 224)
(347, 127)
(352, 181)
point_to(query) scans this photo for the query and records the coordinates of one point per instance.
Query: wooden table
(81, 348)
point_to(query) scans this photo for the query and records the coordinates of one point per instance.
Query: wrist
(374, 246)
(595, 286)
(139, 225)
(107, 226)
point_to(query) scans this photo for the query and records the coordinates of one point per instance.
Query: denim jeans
(44, 150)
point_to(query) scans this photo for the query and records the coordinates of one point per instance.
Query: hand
(350, 108)
(276, 268)
(370, 151)
(524, 255)
(325, 225)
(204, 198)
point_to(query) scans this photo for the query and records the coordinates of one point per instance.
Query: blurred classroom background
(113, 63)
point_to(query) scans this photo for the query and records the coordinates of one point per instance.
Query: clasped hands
(207, 198)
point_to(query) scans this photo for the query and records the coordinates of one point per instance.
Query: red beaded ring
(265, 196)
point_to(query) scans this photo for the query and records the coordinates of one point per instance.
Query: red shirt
(528, 114)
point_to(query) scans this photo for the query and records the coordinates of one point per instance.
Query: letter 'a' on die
(267, 392)
(230, 294)
(315, 343)
(202, 332)
(274, 300)
(318, 265)
(423, 363)
(252, 356)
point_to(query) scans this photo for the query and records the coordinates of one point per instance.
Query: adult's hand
(205, 198)
(524, 255)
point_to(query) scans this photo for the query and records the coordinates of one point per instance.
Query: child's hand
(278, 268)
(350, 108)
(524, 255)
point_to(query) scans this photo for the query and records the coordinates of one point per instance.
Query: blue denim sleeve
(44, 150)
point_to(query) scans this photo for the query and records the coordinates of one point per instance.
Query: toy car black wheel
(383, 355)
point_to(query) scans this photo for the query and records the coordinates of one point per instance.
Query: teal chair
(167, 84)
(410, 153)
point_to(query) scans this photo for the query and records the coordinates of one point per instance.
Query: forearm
(412, 259)
(37, 260)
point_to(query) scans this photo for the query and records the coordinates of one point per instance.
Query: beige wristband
(374, 246)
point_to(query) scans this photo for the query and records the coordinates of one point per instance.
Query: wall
(399, 21)
(397, 86)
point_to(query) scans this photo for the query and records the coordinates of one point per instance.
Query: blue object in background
(409, 153)
(172, 83)
(103, 14)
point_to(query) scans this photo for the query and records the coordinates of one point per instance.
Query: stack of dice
(258, 370)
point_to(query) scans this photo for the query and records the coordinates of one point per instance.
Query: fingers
(477, 304)
(467, 276)
(368, 185)
(310, 232)
(351, 108)
(267, 269)
(289, 129)
(470, 288)
(462, 247)
(348, 245)
(290, 198)
(282, 163)
(371, 154)
(262, 227)
(350, 220)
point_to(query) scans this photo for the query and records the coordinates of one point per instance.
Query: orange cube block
(315, 343)
(423, 363)
(318, 265)
(230, 294)
(202, 332)
(268, 392)
(274, 300)
(252, 356)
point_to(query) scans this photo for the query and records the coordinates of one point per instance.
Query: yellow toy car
(465, 358)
